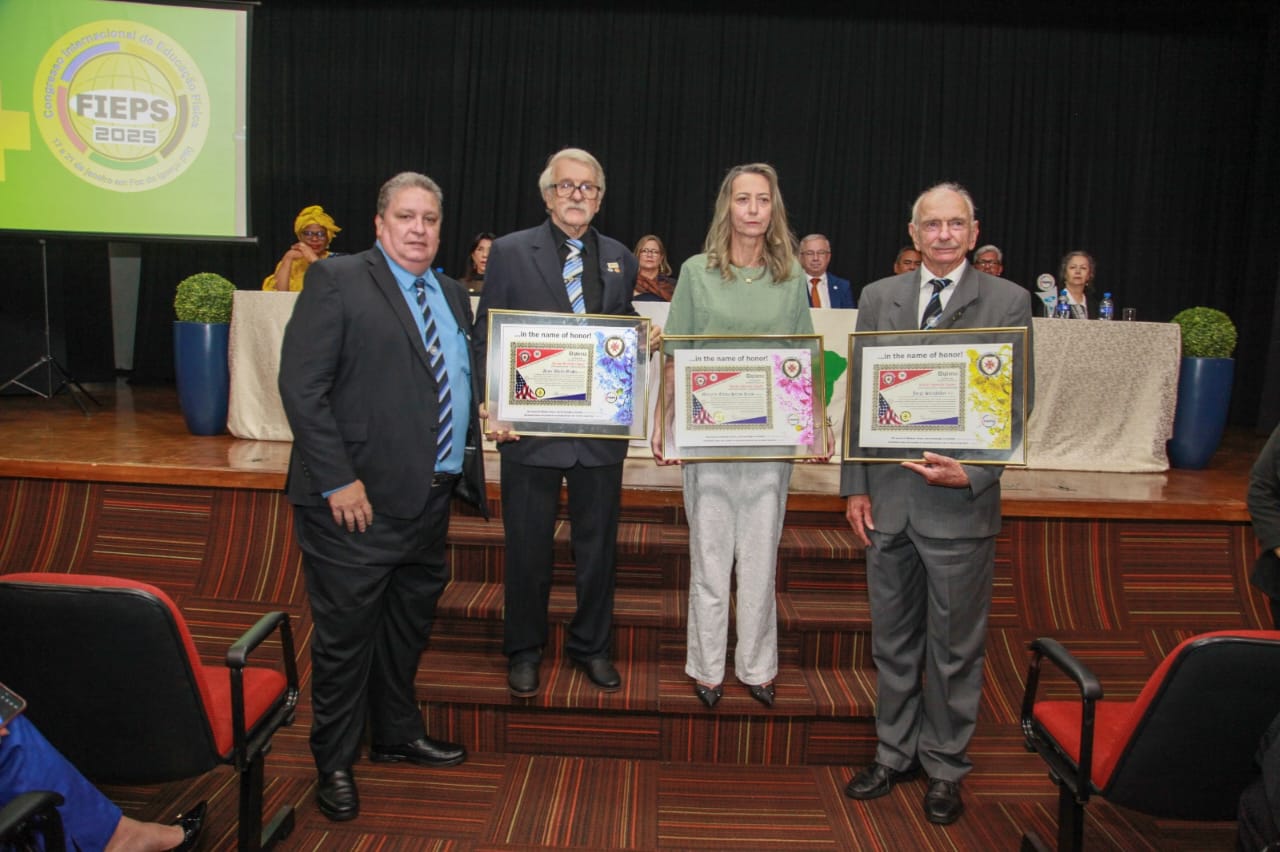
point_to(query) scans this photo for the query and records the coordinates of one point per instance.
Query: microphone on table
(1048, 291)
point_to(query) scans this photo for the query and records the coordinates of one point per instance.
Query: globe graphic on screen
(123, 74)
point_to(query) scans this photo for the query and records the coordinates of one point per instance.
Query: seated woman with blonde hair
(315, 229)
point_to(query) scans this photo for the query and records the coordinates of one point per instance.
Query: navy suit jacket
(839, 292)
(357, 387)
(525, 274)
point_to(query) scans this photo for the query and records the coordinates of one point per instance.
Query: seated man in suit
(908, 260)
(825, 291)
(929, 528)
(989, 259)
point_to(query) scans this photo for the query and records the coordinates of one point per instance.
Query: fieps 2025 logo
(121, 105)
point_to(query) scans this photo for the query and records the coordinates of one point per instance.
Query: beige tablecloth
(258, 319)
(1105, 395)
(1105, 392)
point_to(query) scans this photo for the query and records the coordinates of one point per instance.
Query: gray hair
(950, 186)
(822, 237)
(408, 180)
(987, 248)
(577, 155)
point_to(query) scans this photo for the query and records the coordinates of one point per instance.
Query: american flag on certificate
(700, 414)
(885, 413)
(523, 391)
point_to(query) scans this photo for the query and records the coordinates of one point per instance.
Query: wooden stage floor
(138, 436)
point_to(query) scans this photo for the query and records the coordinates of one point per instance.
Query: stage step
(825, 686)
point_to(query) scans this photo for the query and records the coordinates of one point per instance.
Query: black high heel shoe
(191, 822)
(708, 695)
(762, 692)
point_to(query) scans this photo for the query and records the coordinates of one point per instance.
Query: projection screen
(124, 119)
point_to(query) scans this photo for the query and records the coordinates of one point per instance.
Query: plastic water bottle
(1063, 308)
(1106, 308)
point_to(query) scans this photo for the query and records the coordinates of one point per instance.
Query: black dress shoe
(423, 751)
(942, 804)
(708, 695)
(601, 672)
(762, 692)
(192, 823)
(877, 780)
(336, 795)
(522, 679)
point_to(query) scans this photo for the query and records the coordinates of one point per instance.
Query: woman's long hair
(779, 242)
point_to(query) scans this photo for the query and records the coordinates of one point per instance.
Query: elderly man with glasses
(825, 290)
(562, 265)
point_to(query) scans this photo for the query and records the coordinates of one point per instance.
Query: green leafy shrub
(203, 297)
(1206, 333)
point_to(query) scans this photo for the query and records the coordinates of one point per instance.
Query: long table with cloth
(1105, 391)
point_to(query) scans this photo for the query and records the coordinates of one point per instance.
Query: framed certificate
(958, 392)
(580, 375)
(737, 398)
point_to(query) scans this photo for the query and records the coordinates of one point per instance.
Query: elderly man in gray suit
(929, 529)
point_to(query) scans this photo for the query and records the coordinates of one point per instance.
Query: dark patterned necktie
(933, 310)
(435, 358)
(573, 275)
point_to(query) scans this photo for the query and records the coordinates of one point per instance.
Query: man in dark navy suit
(562, 266)
(377, 381)
(825, 290)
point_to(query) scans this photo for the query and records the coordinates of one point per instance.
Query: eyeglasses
(987, 262)
(934, 226)
(314, 235)
(818, 253)
(650, 251)
(565, 188)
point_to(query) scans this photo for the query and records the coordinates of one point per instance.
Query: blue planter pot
(1204, 390)
(204, 381)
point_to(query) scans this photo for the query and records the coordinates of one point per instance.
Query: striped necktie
(573, 275)
(933, 310)
(435, 358)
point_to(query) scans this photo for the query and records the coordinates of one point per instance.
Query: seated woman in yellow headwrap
(315, 228)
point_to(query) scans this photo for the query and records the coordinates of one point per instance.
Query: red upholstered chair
(113, 680)
(1183, 749)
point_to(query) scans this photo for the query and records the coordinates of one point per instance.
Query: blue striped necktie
(435, 357)
(573, 275)
(933, 310)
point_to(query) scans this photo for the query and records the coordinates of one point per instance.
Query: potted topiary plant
(202, 304)
(1204, 386)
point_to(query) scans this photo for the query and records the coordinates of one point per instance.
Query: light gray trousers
(735, 512)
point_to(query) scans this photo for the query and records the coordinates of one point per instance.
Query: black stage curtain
(1144, 133)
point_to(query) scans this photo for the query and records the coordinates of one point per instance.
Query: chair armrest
(238, 654)
(23, 808)
(1090, 688)
(1090, 693)
(237, 658)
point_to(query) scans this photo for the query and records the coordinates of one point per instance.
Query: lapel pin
(613, 266)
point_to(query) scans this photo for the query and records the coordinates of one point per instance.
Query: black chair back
(1193, 752)
(104, 669)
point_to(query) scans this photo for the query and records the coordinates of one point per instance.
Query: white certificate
(567, 374)
(942, 397)
(743, 398)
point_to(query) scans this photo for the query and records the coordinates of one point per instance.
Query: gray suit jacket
(359, 392)
(525, 274)
(899, 496)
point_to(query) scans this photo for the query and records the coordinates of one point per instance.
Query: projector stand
(51, 365)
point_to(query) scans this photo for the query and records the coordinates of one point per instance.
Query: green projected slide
(123, 119)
